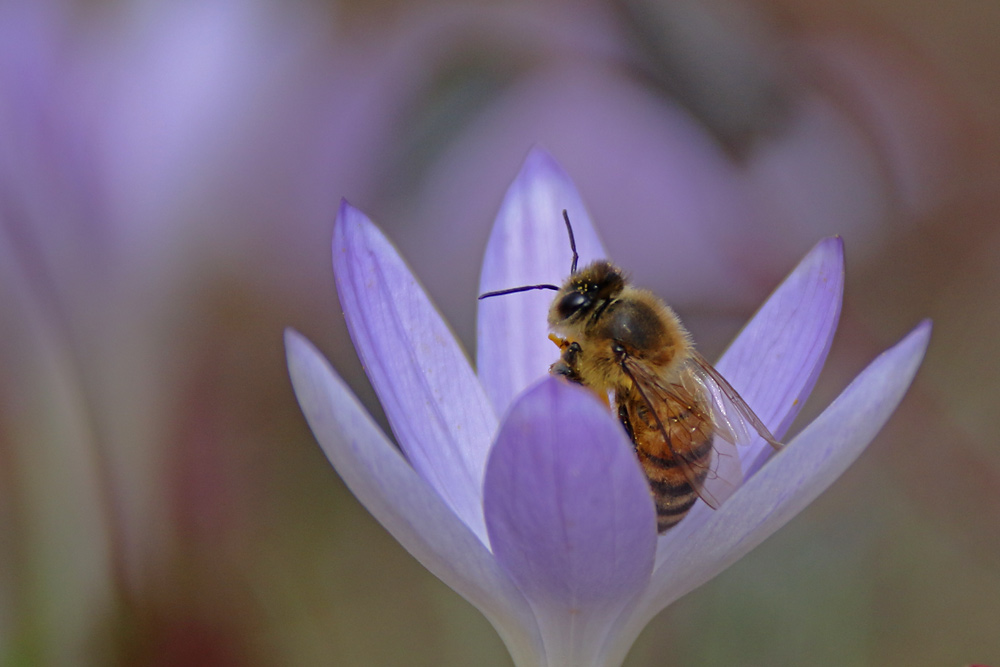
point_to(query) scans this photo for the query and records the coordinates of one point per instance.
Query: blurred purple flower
(833, 139)
(149, 154)
(542, 518)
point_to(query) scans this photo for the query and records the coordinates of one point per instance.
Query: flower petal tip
(540, 166)
(918, 339)
(291, 337)
(539, 158)
(551, 390)
(348, 214)
(303, 360)
(833, 245)
(830, 251)
(345, 210)
(354, 232)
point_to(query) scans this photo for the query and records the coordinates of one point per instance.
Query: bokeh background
(169, 176)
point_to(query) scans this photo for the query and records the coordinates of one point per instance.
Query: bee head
(584, 291)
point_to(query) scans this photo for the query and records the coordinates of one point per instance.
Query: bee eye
(572, 303)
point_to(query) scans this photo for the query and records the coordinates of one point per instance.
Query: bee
(683, 418)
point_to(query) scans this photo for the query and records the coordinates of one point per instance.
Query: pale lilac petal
(432, 398)
(402, 501)
(791, 480)
(777, 357)
(529, 245)
(569, 515)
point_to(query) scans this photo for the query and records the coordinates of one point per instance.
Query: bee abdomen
(669, 512)
(673, 494)
(674, 488)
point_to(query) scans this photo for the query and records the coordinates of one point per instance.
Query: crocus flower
(521, 491)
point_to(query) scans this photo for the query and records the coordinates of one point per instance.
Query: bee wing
(732, 417)
(666, 401)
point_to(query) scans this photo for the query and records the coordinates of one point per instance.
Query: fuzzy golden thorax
(599, 311)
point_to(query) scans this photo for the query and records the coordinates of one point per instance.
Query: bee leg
(620, 354)
(626, 422)
(567, 366)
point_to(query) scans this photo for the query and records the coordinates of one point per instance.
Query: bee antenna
(512, 290)
(526, 288)
(572, 242)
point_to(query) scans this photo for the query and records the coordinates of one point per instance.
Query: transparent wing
(732, 417)
(673, 402)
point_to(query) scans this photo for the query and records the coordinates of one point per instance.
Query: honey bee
(682, 416)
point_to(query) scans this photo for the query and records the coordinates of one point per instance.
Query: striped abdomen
(675, 430)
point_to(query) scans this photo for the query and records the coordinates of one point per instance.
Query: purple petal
(569, 515)
(402, 501)
(529, 245)
(777, 357)
(433, 400)
(791, 480)
(775, 360)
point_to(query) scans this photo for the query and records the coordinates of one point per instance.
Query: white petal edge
(434, 402)
(378, 475)
(791, 480)
(529, 245)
